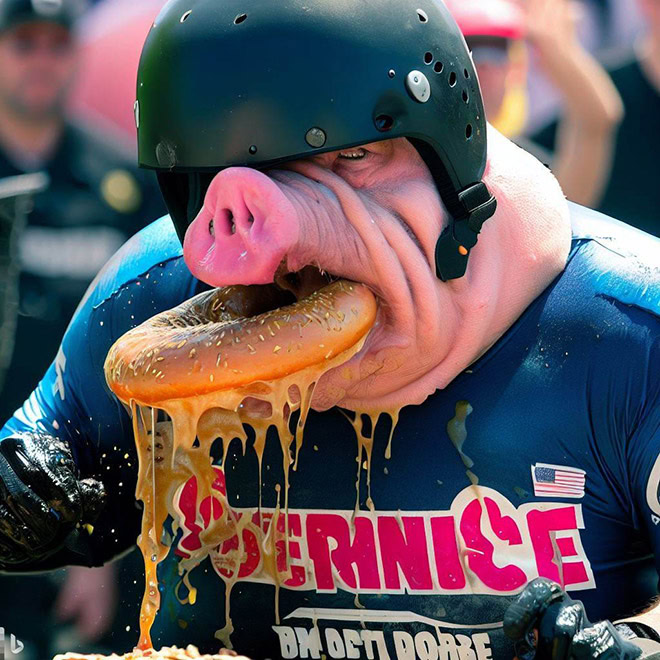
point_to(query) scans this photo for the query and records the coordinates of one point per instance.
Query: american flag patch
(558, 481)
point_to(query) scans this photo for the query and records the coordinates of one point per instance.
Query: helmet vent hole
(466, 73)
(452, 79)
(185, 16)
(428, 57)
(438, 67)
(384, 123)
(239, 19)
(421, 14)
(468, 131)
(466, 97)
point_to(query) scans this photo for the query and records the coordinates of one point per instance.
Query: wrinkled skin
(375, 219)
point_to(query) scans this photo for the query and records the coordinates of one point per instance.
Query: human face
(37, 64)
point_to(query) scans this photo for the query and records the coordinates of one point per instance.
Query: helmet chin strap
(468, 209)
(452, 251)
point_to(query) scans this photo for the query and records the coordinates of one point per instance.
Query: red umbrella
(112, 35)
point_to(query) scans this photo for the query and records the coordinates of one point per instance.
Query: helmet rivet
(391, 73)
(136, 112)
(165, 155)
(253, 149)
(315, 137)
(418, 86)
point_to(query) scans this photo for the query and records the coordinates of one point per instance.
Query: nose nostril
(232, 224)
(211, 229)
(250, 220)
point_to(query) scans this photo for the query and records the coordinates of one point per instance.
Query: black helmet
(262, 82)
(63, 12)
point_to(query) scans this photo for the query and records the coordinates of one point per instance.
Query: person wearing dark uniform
(96, 198)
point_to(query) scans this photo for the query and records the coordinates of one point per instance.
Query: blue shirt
(542, 458)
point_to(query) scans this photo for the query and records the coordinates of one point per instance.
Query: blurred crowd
(577, 83)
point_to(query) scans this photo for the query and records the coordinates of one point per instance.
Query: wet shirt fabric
(540, 459)
(95, 201)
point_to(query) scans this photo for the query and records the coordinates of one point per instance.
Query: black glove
(562, 629)
(43, 503)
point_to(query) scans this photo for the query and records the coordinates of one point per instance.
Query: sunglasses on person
(28, 40)
(491, 50)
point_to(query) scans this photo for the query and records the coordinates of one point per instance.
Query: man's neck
(26, 140)
(648, 53)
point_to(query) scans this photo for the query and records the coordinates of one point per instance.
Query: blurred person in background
(632, 192)
(498, 33)
(96, 199)
(603, 26)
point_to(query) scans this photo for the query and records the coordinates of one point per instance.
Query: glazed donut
(219, 341)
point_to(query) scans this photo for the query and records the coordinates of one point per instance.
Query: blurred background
(575, 83)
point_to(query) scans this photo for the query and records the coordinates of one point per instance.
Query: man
(631, 192)
(95, 200)
(511, 330)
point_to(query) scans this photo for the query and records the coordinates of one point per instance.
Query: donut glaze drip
(209, 372)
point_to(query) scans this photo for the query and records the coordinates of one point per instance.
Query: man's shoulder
(602, 313)
(154, 252)
(615, 262)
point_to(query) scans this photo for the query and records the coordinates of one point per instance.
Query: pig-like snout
(243, 232)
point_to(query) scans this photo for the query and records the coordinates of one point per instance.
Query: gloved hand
(547, 624)
(43, 502)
